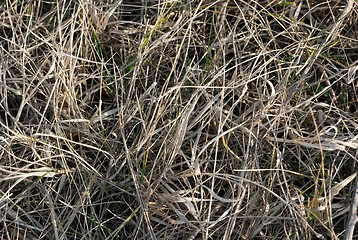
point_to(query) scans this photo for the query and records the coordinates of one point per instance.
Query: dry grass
(177, 119)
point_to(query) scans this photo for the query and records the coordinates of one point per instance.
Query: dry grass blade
(353, 216)
(177, 119)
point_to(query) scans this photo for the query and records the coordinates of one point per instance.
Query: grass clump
(178, 119)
